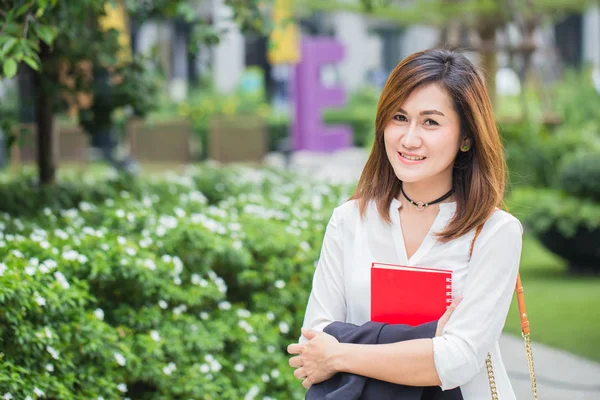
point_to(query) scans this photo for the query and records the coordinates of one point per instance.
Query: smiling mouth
(411, 158)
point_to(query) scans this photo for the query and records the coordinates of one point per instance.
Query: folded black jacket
(345, 386)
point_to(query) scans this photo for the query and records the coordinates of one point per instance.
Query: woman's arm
(327, 302)
(453, 358)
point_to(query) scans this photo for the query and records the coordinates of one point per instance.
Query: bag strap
(525, 332)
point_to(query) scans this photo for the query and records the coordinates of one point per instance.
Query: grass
(563, 309)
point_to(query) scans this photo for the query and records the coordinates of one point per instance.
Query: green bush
(581, 176)
(180, 286)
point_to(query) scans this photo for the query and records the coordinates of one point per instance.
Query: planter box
(71, 144)
(582, 251)
(161, 142)
(237, 139)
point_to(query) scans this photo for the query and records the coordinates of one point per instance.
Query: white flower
(122, 241)
(237, 245)
(204, 369)
(245, 326)
(169, 369)
(284, 328)
(82, 259)
(47, 211)
(225, 305)
(130, 251)
(38, 392)
(161, 231)
(55, 354)
(166, 258)
(252, 393)
(180, 309)
(122, 387)
(204, 315)
(243, 313)
(51, 264)
(70, 255)
(265, 378)
(120, 213)
(2, 243)
(179, 212)
(163, 304)
(7, 396)
(17, 254)
(215, 366)
(48, 332)
(270, 349)
(40, 300)
(104, 247)
(148, 263)
(44, 269)
(155, 335)
(177, 280)
(279, 284)
(2, 268)
(239, 367)
(270, 316)
(252, 339)
(100, 398)
(28, 398)
(275, 374)
(49, 367)
(120, 359)
(99, 314)
(109, 202)
(61, 279)
(44, 244)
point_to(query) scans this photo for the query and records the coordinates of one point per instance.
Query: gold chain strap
(491, 379)
(529, 351)
(525, 332)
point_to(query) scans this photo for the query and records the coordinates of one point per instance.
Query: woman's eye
(400, 117)
(430, 122)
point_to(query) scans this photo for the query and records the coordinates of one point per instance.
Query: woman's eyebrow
(425, 112)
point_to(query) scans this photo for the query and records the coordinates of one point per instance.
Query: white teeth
(412, 157)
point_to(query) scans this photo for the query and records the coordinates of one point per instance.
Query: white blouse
(341, 286)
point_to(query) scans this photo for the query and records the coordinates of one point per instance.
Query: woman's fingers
(295, 348)
(295, 362)
(444, 318)
(307, 383)
(299, 373)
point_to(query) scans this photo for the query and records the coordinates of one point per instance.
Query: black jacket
(345, 386)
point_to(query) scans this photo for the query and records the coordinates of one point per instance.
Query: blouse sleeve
(327, 302)
(477, 322)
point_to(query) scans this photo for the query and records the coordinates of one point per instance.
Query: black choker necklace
(420, 205)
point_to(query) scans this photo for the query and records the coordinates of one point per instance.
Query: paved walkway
(560, 375)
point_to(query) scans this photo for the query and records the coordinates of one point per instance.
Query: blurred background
(167, 170)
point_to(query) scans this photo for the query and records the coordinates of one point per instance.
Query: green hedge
(177, 287)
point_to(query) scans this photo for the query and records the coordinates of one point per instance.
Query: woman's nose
(411, 139)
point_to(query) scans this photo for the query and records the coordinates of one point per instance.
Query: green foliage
(157, 289)
(576, 100)
(581, 176)
(542, 208)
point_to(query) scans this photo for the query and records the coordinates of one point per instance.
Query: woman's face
(423, 137)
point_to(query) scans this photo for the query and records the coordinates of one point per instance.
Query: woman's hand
(315, 361)
(444, 318)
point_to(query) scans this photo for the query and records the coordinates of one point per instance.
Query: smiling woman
(433, 183)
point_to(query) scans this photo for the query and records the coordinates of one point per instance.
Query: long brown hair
(478, 175)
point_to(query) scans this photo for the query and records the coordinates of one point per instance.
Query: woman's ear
(466, 145)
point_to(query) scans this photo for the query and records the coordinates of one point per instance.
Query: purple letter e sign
(311, 98)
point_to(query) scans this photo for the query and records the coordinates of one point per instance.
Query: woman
(435, 174)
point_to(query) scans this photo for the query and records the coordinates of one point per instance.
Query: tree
(49, 35)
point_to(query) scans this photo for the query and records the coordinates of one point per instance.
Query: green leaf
(10, 68)
(31, 62)
(23, 9)
(8, 46)
(46, 33)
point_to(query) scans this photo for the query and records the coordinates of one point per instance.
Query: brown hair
(478, 175)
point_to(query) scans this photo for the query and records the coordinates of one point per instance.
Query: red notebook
(409, 295)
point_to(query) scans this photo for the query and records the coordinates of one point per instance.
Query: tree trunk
(489, 63)
(45, 122)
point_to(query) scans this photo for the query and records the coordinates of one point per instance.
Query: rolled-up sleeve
(476, 324)
(327, 303)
